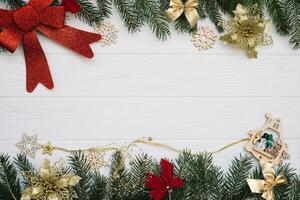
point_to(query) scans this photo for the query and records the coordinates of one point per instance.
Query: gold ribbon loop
(266, 186)
(189, 9)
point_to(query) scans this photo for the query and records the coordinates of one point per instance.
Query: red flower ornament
(20, 26)
(160, 185)
(71, 6)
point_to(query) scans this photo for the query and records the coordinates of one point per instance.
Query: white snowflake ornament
(28, 145)
(204, 38)
(109, 33)
(96, 160)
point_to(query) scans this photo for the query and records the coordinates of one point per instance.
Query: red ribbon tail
(37, 69)
(72, 38)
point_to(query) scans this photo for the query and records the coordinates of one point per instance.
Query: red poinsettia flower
(71, 6)
(160, 185)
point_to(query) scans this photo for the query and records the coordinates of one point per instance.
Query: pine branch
(104, 7)
(235, 178)
(154, 17)
(293, 7)
(182, 169)
(213, 13)
(201, 172)
(227, 6)
(15, 4)
(283, 191)
(182, 25)
(128, 13)
(89, 14)
(81, 167)
(10, 188)
(24, 165)
(141, 165)
(277, 11)
(99, 187)
(295, 188)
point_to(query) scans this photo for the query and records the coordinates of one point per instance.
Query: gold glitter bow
(50, 183)
(177, 7)
(266, 186)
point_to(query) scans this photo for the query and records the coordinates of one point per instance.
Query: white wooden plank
(222, 159)
(88, 118)
(150, 75)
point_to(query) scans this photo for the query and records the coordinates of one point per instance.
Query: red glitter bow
(19, 27)
(160, 185)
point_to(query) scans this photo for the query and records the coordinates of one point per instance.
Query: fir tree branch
(154, 17)
(99, 187)
(213, 13)
(283, 191)
(227, 7)
(10, 188)
(81, 167)
(15, 4)
(119, 180)
(104, 7)
(235, 178)
(89, 14)
(24, 165)
(140, 166)
(128, 13)
(293, 7)
(277, 11)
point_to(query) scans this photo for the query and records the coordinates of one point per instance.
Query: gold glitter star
(48, 148)
(28, 145)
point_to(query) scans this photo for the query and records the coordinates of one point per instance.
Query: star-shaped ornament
(48, 148)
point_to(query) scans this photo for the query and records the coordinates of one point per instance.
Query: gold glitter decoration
(246, 30)
(50, 183)
(48, 148)
(109, 33)
(28, 145)
(96, 159)
(204, 38)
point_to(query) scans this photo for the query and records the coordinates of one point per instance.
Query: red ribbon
(20, 26)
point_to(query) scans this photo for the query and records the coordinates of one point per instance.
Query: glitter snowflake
(28, 145)
(204, 38)
(96, 160)
(109, 33)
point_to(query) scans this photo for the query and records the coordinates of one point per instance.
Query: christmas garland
(192, 175)
(157, 14)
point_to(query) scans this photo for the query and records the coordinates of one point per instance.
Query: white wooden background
(142, 87)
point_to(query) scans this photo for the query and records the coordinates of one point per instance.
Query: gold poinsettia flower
(246, 30)
(50, 183)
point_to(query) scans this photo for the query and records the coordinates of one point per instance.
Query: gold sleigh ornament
(267, 143)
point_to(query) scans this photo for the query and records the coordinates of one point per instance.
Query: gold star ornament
(48, 148)
(246, 30)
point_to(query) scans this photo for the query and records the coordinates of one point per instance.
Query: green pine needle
(235, 178)
(98, 189)
(276, 9)
(24, 165)
(81, 167)
(119, 181)
(140, 166)
(154, 17)
(213, 13)
(10, 188)
(128, 13)
(104, 7)
(293, 7)
(89, 14)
